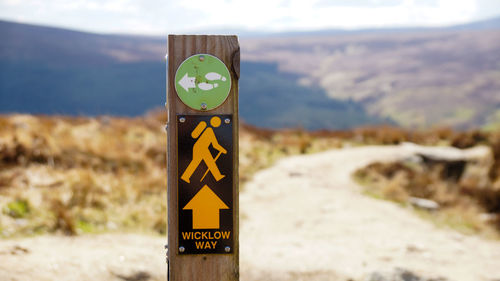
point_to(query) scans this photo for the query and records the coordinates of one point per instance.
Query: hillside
(62, 47)
(55, 71)
(416, 77)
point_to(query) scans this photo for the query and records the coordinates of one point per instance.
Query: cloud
(319, 14)
(160, 16)
(357, 3)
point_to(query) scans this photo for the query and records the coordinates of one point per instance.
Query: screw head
(202, 58)
(227, 120)
(227, 249)
(182, 119)
(204, 106)
(181, 249)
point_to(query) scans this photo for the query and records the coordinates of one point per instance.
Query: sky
(160, 17)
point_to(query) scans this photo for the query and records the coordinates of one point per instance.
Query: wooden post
(185, 264)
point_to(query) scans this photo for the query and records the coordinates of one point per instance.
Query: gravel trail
(306, 219)
(302, 219)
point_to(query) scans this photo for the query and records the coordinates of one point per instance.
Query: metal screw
(182, 119)
(202, 58)
(227, 249)
(181, 249)
(204, 106)
(227, 121)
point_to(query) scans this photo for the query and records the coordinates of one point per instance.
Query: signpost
(202, 103)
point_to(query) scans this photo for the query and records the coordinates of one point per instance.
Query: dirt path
(306, 219)
(96, 257)
(302, 219)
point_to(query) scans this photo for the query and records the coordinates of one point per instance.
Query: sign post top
(202, 82)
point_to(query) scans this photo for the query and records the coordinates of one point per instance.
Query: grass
(493, 122)
(91, 175)
(18, 208)
(81, 175)
(465, 199)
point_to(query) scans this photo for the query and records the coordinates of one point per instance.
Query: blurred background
(82, 145)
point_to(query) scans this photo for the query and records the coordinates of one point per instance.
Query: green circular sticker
(202, 82)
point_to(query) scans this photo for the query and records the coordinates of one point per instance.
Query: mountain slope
(32, 43)
(492, 23)
(55, 71)
(418, 79)
(48, 70)
(273, 99)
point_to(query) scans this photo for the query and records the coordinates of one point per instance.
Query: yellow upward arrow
(205, 205)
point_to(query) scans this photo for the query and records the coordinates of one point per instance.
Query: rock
(488, 217)
(424, 203)
(376, 276)
(453, 168)
(399, 274)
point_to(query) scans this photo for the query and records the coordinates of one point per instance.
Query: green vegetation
(19, 208)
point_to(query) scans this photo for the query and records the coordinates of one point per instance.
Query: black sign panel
(205, 184)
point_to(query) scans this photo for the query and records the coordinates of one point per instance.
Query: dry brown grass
(467, 192)
(79, 175)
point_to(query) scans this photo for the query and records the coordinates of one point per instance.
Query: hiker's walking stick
(206, 172)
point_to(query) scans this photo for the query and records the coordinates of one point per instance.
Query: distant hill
(421, 78)
(417, 77)
(56, 46)
(55, 71)
(493, 23)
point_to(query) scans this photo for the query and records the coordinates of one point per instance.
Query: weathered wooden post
(202, 103)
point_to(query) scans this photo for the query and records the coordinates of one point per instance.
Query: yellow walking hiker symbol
(201, 150)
